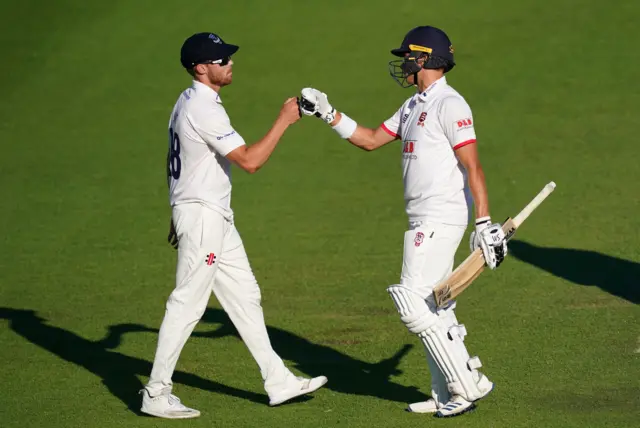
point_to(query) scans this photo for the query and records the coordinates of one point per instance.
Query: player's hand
(474, 238)
(290, 113)
(313, 102)
(490, 238)
(173, 235)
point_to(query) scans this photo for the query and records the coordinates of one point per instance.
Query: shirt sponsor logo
(210, 259)
(464, 124)
(405, 117)
(225, 135)
(408, 148)
(422, 118)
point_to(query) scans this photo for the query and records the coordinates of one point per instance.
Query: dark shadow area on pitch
(346, 374)
(117, 371)
(619, 277)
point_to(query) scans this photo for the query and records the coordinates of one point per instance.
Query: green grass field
(87, 88)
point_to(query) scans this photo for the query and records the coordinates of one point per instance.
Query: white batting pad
(439, 387)
(432, 327)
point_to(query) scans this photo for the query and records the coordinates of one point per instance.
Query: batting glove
(315, 103)
(490, 238)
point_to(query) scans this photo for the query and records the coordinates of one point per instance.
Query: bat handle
(522, 215)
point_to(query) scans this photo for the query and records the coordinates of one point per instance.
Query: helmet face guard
(401, 69)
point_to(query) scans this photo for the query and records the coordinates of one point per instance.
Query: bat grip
(522, 215)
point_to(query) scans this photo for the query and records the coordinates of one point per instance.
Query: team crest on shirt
(422, 118)
(419, 239)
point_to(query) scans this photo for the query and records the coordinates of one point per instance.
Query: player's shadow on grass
(346, 374)
(118, 371)
(616, 276)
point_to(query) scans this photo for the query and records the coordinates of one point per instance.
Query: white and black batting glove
(490, 238)
(315, 103)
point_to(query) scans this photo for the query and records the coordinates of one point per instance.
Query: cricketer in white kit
(211, 256)
(443, 179)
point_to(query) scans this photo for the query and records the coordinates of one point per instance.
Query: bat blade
(459, 279)
(472, 266)
(467, 271)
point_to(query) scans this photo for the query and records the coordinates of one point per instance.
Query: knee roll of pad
(414, 311)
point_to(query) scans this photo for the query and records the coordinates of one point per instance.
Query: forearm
(314, 102)
(478, 187)
(258, 153)
(363, 137)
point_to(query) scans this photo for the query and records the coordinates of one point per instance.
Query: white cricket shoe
(166, 406)
(459, 406)
(301, 386)
(429, 406)
(455, 407)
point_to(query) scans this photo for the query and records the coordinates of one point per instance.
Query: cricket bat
(461, 278)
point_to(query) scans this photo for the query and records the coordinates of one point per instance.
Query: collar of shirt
(431, 90)
(204, 89)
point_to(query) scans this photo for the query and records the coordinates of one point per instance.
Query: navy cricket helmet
(420, 42)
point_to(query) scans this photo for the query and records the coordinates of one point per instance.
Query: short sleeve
(457, 122)
(214, 127)
(392, 125)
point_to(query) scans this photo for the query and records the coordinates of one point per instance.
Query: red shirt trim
(464, 143)
(388, 131)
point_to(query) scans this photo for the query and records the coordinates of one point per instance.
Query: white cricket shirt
(432, 125)
(200, 136)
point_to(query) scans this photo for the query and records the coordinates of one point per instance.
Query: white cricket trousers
(429, 251)
(428, 257)
(211, 257)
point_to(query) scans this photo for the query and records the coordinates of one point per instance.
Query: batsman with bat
(441, 172)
